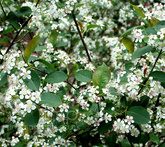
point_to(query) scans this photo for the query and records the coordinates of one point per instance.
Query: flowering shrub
(82, 73)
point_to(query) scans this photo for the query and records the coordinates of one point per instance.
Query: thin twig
(20, 39)
(150, 72)
(37, 3)
(3, 9)
(24, 24)
(13, 41)
(6, 15)
(98, 107)
(70, 84)
(74, 18)
(44, 107)
(157, 101)
(129, 140)
(156, 61)
(145, 81)
(39, 70)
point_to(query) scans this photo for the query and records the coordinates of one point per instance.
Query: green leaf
(101, 76)
(144, 138)
(138, 10)
(50, 99)
(53, 37)
(163, 145)
(61, 44)
(140, 114)
(130, 30)
(151, 30)
(40, 48)
(144, 100)
(125, 143)
(108, 108)
(31, 47)
(104, 127)
(153, 21)
(20, 144)
(158, 76)
(4, 39)
(56, 77)
(3, 79)
(154, 138)
(2, 46)
(25, 10)
(8, 30)
(47, 64)
(75, 67)
(34, 82)
(92, 26)
(94, 108)
(13, 19)
(142, 51)
(111, 140)
(84, 76)
(163, 84)
(128, 44)
(80, 125)
(159, 25)
(31, 119)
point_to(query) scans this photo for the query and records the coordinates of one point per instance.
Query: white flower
(107, 117)
(89, 120)
(60, 117)
(14, 141)
(29, 106)
(158, 128)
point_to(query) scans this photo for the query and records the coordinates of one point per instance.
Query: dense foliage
(82, 73)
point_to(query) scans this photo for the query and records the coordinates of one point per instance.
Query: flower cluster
(82, 73)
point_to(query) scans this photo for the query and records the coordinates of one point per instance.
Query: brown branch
(44, 107)
(70, 84)
(6, 15)
(13, 41)
(37, 3)
(3, 9)
(150, 72)
(74, 18)
(18, 32)
(145, 81)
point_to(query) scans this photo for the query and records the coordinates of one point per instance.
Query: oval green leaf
(101, 76)
(140, 114)
(47, 64)
(61, 44)
(111, 140)
(151, 30)
(31, 119)
(142, 51)
(158, 76)
(138, 10)
(31, 47)
(25, 10)
(34, 82)
(53, 37)
(130, 30)
(128, 44)
(91, 26)
(83, 76)
(50, 99)
(40, 48)
(3, 79)
(56, 77)
(159, 25)
(154, 138)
